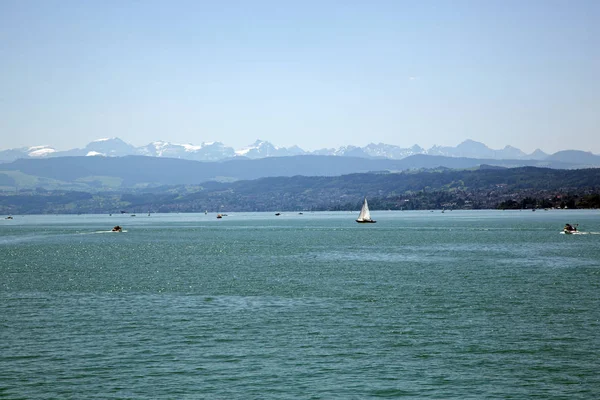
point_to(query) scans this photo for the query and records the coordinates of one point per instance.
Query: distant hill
(583, 158)
(101, 173)
(481, 188)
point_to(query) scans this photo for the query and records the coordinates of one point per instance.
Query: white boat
(365, 215)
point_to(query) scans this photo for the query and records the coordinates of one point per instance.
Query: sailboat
(365, 215)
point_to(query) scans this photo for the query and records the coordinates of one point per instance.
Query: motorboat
(570, 229)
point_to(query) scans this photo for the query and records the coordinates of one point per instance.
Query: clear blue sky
(313, 73)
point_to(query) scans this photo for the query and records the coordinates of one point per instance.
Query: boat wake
(580, 233)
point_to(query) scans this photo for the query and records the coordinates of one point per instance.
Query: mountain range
(217, 151)
(112, 164)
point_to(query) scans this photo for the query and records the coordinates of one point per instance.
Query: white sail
(364, 215)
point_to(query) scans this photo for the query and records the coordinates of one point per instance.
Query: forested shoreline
(518, 188)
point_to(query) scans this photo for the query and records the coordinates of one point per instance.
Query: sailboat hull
(365, 221)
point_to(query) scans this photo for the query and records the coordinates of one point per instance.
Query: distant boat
(365, 215)
(570, 229)
(117, 229)
(219, 216)
(9, 217)
(278, 214)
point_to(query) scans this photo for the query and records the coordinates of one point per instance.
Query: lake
(454, 305)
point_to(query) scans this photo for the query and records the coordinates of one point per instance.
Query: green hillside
(482, 188)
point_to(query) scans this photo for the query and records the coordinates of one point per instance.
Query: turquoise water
(461, 305)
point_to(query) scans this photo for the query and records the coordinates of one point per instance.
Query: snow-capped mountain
(262, 149)
(351, 151)
(109, 147)
(207, 151)
(382, 150)
(215, 151)
(324, 152)
(26, 152)
(372, 150)
(40, 151)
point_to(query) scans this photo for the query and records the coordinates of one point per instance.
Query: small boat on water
(9, 217)
(277, 214)
(117, 229)
(365, 214)
(570, 229)
(219, 216)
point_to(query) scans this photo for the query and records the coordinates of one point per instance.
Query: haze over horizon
(315, 74)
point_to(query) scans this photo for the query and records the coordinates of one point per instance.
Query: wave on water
(8, 240)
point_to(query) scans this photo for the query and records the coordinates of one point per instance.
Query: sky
(317, 74)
